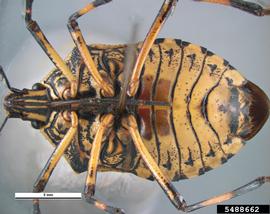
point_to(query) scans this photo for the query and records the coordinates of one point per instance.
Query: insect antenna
(4, 84)
(4, 77)
(3, 124)
(130, 57)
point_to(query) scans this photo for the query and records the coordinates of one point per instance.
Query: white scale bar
(48, 196)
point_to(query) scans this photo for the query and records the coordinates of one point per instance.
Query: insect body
(187, 112)
(172, 96)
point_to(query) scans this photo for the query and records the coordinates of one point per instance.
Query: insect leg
(44, 176)
(35, 30)
(177, 200)
(105, 125)
(229, 195)
(89, 191)
(247, 6)
(104, 80)
(162, 16)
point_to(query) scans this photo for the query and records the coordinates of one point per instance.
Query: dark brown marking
(223, 108)
(151, 55)
(192, 58)
(162, 122)
(204, 50)
(158, 41)
(185, 44)
(211, 152)
(201, 171)
(223, 160)
(212, 67)
(145, 123)
(258, 109)
(235, 113)
(208, 168)
(170, 54)
(230, 155)
(168, 164)
(225, 63)
(190, 161)
(228, 141)
(209, 53)
(146, 88)
(163, 90)
(229, 81)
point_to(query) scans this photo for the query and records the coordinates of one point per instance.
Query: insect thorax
(118, 144)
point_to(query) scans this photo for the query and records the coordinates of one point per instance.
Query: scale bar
(48, 196)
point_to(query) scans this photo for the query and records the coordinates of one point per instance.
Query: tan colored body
(173, 111)
(186, 139)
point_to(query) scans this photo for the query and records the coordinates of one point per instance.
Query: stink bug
(61, 87)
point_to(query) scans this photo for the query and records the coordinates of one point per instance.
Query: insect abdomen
(196, 133)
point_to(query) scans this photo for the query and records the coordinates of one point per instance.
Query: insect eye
(38, 86)
(37, 124)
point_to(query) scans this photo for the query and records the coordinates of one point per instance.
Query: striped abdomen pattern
(210, 109)
(195, 133)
